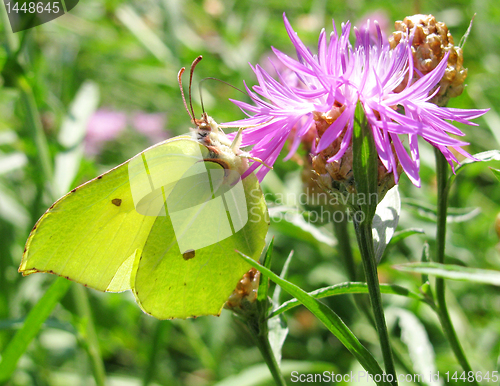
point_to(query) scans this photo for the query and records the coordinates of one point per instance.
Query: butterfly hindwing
(174, 283)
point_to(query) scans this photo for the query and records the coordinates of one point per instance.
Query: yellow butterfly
(164, 224)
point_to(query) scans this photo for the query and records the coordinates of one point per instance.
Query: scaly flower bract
(343, 75)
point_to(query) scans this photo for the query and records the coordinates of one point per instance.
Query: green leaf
(385, 221)
(277, 326)
(365, 164)
(429, 211)
(414, 336)
(496, 172)
(485, 156)
(145, 35)
(71, 135)
(403, 234)
(329, 318)
(490, 155)
(34, 321)
(284, 271)
(264, 284)
(16, 324)
(347, 288)
(277, 333)
(453, 272)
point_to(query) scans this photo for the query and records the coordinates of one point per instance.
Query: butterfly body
(164, 224)
(222, 150)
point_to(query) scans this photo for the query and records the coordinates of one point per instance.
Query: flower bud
(431, 41)
(245, 292)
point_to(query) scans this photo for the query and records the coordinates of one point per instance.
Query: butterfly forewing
(154, 173)
(89, 233)
(92, 234)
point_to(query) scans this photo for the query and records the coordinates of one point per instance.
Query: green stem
(36, 128)
(344, 246)
(156, 341)
(365, 242)
(259, 333)
(198, 344)
(442, 207)
(90, 335)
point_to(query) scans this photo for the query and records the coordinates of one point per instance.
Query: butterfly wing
(94, 234)
(165, 224)
(195, 273)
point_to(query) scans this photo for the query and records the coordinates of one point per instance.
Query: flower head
(332, 83)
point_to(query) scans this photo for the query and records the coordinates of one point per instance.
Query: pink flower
(151, 125)
(105, 125)
(339, 73)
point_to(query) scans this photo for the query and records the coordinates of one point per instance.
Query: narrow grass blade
(453, 272)
(347, 288)
(36, 317)
(403, 234)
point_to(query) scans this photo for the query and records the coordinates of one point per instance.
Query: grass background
(131, 51)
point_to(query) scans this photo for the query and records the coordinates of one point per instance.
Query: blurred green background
(110, 67)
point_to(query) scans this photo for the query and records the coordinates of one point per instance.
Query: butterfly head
(206, 124)
(222, 150)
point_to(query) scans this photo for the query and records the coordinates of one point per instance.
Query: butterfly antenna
(193, 66)
(230, 85)
(226, 83)
(201, 96)
(179, 79)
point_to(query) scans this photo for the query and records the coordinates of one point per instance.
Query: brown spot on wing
(99, 177)
(116, 201)
(73, 191)
(189, 254)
